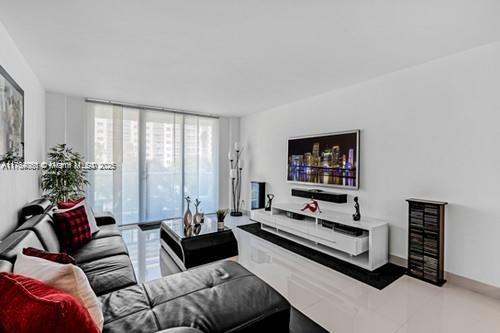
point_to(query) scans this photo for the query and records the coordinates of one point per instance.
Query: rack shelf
(426, 240)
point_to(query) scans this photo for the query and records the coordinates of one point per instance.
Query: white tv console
(369, 251)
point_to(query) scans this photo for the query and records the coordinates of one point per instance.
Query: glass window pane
(191, 156)
(163, 166)
(159, 152)
(130, 167)
(201, 161)
(103, 153)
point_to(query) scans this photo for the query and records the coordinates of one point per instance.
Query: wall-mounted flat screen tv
(325, 159)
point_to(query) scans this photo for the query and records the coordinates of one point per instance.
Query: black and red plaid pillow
(61, 258)
(72, 229)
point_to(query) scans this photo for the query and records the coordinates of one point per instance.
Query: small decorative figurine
(188, 216)
(356, 216)
(269, 204)
(312, 206)
(198, 217)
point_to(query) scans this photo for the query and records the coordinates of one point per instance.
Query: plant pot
(220, 225)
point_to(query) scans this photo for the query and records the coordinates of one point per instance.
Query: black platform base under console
(320, 195)
(379, 278)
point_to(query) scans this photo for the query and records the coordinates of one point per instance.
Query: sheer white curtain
(161, 157)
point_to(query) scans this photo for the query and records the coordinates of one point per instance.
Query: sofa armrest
(180, 330)
(35, 207)
(104, 218)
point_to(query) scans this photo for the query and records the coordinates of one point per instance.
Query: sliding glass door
(161, 157)
(162, 169)
(201, 160)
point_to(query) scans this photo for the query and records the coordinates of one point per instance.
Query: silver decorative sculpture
(198, 216)
(188, 216)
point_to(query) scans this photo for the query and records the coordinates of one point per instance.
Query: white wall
(229, 132)
(431, 131)
(66, 121)
(19, 187)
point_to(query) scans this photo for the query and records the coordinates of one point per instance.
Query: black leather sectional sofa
(221, 297)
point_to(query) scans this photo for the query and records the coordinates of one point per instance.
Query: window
(161, 156)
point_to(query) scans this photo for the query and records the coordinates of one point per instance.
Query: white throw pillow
(88, 211)
(66, 277)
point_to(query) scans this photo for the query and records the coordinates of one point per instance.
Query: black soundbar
(320, 195)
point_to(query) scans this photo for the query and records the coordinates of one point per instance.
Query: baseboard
(398, 261)
(473, 285)
(466, 283)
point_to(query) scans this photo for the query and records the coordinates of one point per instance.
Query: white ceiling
(233, 57)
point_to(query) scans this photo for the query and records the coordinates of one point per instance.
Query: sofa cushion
(6, 266)
(66, 277)
(109, 274)
(43, 226)
(90, 214)
(100, 248)
(107, 230)
(27, 305)
(124, 302)
(128, 310)
(61, 258)
(180, 330)
(72, 228)
(236, 297)
(215, 298)
(16, 242)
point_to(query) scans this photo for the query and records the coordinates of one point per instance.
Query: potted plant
(64, 178)
(221, 215)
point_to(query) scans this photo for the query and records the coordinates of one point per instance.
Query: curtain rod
(149, 107)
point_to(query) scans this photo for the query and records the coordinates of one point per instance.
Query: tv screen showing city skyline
(330, 159)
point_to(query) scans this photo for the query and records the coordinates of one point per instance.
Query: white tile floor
(344, 305)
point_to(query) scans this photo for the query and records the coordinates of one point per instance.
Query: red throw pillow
(69, 204)
(61, 258)
(72, 229)
(29, 306)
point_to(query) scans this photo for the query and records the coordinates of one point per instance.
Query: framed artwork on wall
(11, 119)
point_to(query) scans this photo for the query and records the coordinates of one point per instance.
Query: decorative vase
(197, 218)
(188, 216)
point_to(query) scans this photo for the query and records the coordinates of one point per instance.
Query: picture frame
(11, 119)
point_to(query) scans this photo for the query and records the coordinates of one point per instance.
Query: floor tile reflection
(144, 249)
(337, 302)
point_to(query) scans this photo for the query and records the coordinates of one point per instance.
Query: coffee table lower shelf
(182, 250)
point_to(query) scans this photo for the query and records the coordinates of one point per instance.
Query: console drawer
(285, 222)
(264, 218)
(344, 243)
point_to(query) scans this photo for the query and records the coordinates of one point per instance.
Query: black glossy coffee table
(195, 246)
